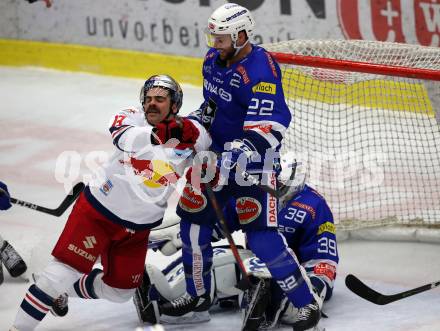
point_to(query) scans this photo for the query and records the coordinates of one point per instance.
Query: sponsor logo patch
(248, 209)
(244, 11)
(263, 128)
(155, 173)
(243, 74)
(191, 201)
(325, 269)
(106, 187)
(327, 227)
(90, 242)
(272, 65)
(81, 252)
(198, 271)
(310, 209)
(264, 87)
(272, 208)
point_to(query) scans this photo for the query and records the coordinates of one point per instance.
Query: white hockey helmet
(165, 82)
(230, 19)
(293, 177)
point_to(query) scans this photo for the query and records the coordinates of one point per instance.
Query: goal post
(366, 122)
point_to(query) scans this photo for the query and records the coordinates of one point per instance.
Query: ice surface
(44, 113)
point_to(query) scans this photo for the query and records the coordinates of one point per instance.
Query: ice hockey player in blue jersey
(246, 114)
(306, 222)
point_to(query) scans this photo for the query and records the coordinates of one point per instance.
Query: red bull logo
(156, 173)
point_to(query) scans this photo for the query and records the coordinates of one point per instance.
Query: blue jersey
(245, 100)
(307, 224)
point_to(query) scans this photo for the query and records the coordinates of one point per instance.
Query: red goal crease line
(364, 67)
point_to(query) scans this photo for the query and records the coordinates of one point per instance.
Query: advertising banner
(177, 26)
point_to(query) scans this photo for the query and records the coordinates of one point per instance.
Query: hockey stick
(245, 283)
(68, 200)
(358, 287)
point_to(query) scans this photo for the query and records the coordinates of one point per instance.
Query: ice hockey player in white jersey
(112, 218)
(306, 222)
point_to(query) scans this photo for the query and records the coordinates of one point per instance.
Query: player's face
(157, 105)
(222, 43)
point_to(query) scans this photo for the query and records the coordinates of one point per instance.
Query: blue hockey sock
(270, 247)
(196, 257)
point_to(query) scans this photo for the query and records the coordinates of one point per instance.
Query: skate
(12, 260)
(307, 317)
(185, 304)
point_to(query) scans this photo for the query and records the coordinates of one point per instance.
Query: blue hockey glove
(5, 201)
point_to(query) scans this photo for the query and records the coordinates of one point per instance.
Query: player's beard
(227, 54)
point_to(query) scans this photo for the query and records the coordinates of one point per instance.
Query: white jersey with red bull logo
(133, 187)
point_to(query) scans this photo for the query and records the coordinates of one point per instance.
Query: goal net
(366, 122)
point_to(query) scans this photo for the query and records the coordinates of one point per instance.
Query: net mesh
(371, 142)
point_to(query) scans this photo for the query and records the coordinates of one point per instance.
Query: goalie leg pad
(159, 281)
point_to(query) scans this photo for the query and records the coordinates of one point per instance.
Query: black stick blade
(355, 285)
(367, 293)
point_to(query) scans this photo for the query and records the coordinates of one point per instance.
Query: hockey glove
(181, 129)
(5, 201)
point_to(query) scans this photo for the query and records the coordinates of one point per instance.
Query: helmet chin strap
(239, 48)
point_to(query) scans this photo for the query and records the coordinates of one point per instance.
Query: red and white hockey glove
(181, 129)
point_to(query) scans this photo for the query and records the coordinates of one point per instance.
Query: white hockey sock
(33, 309)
